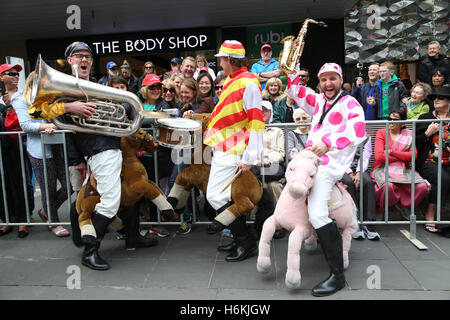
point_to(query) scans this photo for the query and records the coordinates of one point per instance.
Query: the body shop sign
(131, 43)
(151, 44)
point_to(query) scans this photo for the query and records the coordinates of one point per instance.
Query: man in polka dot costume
(336, 130)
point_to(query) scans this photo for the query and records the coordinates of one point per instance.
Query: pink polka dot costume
(343, 127)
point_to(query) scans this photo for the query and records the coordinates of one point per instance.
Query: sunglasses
(148, 67)
(154, 87)
(303, 76)
(11, 74)
(81, 56)
(171, 90)
(440, 98)
(218, 87)
(385, 70)
(301, 118)
(393, 119)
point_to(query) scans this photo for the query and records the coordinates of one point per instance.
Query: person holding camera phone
(364, 92)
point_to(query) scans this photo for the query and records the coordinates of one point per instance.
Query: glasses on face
(301, 118)
(218, 87)
(303, 76)
(440, 98)
(385, 70)
(393, 119)
(154, 87)
(171, 90)
(148, 67)
(81, 56)
(11, 74)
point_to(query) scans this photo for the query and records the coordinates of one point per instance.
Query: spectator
(400, 155)
(190, 96)
(208, 104)
(12, 170)
(303, 78)
(53, 155)
(267, 67)
(352, 178)
(389, 92)
(175, 64)
(171, 94)
(416, 104)
(203, 63)
(347, 88)
(365, 92)
(272, 91)
(149, 68)
(297, 138)
(273, 142)
(438, 79)
(283, 109)
(205, 85)
(188, 67)
(151, 91)
(428, 152)
(178, 79)
(433, 61)
(112, 70)
(132, 80)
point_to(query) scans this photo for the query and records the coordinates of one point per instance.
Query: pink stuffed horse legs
(263, 263)
(293, 277)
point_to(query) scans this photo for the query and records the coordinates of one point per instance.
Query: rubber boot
(331, 242)
(134, 239)
(246, 243)
(90, 257)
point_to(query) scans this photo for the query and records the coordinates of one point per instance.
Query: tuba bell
(292, 48)
(110, 117)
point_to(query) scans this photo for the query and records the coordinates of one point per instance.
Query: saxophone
(293, 48)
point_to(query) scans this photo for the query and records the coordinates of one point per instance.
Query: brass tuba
(292, 48)
(110, 116)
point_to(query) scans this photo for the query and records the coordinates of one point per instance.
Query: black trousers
(429, 171)
(369, 204)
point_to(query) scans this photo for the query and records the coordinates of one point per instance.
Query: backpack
(12, 123)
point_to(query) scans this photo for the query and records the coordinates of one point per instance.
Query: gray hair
(434, 42)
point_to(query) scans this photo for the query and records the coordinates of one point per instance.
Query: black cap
(76, 46)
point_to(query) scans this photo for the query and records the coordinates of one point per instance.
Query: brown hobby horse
(135, 185)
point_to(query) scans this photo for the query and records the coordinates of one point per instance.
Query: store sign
(131, 43)
(273, 34)
(189, 42)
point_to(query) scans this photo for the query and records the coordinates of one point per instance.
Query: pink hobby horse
(291, 213)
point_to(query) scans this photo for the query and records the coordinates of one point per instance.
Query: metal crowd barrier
(58, 137)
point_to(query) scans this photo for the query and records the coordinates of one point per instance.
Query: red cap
(203, 69)
(151, 79)
(266, 45)
(5, 67)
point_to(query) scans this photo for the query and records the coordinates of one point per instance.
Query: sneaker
(185, 228)
(159, 231)
(359, 235)
(226, 233)
(121, 235)
(371, 235)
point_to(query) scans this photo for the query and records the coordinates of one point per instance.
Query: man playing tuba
(102, 153)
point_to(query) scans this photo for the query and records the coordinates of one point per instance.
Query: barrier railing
(58, 137)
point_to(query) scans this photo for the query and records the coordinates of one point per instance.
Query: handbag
(12, 123)
(268, 170)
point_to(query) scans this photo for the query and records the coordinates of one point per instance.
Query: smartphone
(2, 88)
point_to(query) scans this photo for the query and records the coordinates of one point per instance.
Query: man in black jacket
(101, 152)
(433, 60)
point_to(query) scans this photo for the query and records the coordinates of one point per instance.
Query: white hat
(330, 67)
(268, 105)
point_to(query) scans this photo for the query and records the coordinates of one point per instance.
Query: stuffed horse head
(301, 172)
(140, 140)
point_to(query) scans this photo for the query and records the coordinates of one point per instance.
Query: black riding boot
(134, 239)
(90, 257)
(331, 242)
(245, 242)
(228, 247)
